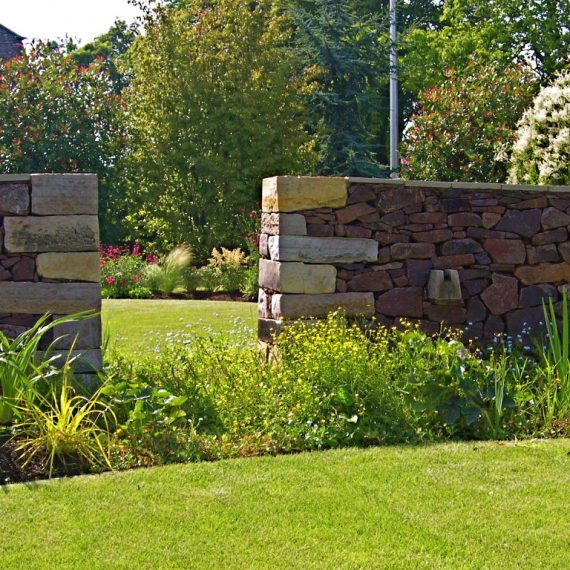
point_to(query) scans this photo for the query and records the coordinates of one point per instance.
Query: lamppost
(394, 166)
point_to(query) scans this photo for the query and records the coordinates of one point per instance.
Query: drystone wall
(480, 257)
(49, 262)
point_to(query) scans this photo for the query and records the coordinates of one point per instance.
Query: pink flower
(151, 259)
(123, 282)
(110, 280)
(136, 278)
(136, 249)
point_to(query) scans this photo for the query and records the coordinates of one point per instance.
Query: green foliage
(59, 117)
(168, 276)
(213, 109)
(541, 153)
(122, 274)
(464, 128)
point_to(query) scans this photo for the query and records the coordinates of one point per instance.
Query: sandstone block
(465, 220)
(69, 266)
(55, 298)
(554, 218)
(397, 198)
(564, 249)
(275, 224)
(84, 361)
(502, 296)
(263, 305)
(361, 193)
(459, 246)
(429, 218)
(522, 222)
(534, 295)
(552, 236)
(433, 236)
(402, 302)
(445, 315)
(532, 320)
(546, 273)
(79, 334)
(542, 254)
(51, 233)
(293, 193)
(268, 329)
(506, 250)
(14, 200)
(490, 219)
(64, 194)
(412, 250)
(294, 306)
(417, 271)
(453, 261)
(353, 212)
(322, 250)
(372, 281)
(297, 277)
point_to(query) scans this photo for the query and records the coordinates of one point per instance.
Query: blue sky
(53, 19)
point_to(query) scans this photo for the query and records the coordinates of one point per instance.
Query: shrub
(542, 150)
(122, 271)
(168, 276)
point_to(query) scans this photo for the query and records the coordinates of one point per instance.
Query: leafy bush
(122, 271)
(168, 276)
(542, 150)
(464, 127)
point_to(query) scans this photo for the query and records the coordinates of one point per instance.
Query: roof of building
(17, 36)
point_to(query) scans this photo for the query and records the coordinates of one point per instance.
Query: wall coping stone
(15, 178)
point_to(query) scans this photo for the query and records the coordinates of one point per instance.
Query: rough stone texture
(56, 195)
(353, 212)
(293, 193)
(374, 281)
(402, 302)
(322, 250)
(83, 361)
(554, 218)
(522, 222)
(412, 251)
(547, 273)
(40, 298)
(83, 266)
(268, 329)
(502, 296)
(506, 250)
(394, 199)
(78, 334)
(294, 306)
(51, 233)
(275, 224)
(14, 199)
(291, 277)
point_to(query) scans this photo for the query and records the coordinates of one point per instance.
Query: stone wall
(480, 257)
(49, 263)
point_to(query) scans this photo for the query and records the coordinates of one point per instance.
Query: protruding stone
(322, 250)
(294, 306)
(443, 286)
(14, 199)
(502, 296)
(51, 233)
(64, 194)
(297, 277)
(554, 218)
(372, 281)
(412, 250)
(397, 198)
(522, 222)
(506, 250)
(40, 298)
(547, 273)
(293, 193)
(275, 224)
(402, 302)
(69, 266)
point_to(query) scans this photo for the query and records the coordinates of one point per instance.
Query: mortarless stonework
(49, 235)
(508, 244)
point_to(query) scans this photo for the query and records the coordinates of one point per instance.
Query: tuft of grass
(167, 277)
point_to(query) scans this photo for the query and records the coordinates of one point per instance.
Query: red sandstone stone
(394, 219)
(352, 212)
(542, 254)
(360, 193)
(403, 302)
(474, 274)
(476, 311)
(485, 202)
(448, 315)
(340, 230)
(373, 281)
(341, 286)
(321, 230)
(412, 251)
(357, 232)
(502, 296)
(387, 238)
(401, 281)
(506, 250)
(540, 202)
(490, 219)
(464, 219)
(5, 275)
(475, 286)
(453, 261)
(522, 222)
(534, 295)
(398, 198)
(417, 227)
(370, 218)
(546, 273)
(384, 255)
(434, 236)
(429, 218)
(451, 205)
(553, 236)
(458, 246)
(24, 270)
(564, 249)
(418, 271)
(554, 218)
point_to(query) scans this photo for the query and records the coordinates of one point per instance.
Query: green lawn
(469, 505)
(138, 325)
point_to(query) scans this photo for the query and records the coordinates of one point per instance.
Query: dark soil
(11, 470)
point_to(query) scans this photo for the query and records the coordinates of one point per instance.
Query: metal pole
(394, 166)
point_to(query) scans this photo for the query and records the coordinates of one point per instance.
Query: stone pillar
(49, 260)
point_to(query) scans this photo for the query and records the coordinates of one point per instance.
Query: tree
(464, 128)
(542, 150)
(213, 108)
(58, 117)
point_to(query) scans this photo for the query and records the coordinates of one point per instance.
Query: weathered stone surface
(263, 305)
(40, 298)
(64, 194)
(534, 295)
(264, 245)
(291, 277)
(322, 250)
(275, 224)
(361, 193)
(69, 266)
(564, 249)
(540, 202)
(506, 250)
(268, 329)
(446, 315)
(372, 281)
(418, 271)
(78, 334)
(84, 361)
(353, 212)
(451, 205)
(476, 311)
(502, 296)
(320, 230)
(554, 218)
(529, 320)
(542, 254)
(475, 286)
(428, 218)
(493, 326)
(402, 302)
(490, 219)
(443, 286)
(24, 270)
(459, 246)
(453, 261)
(51, 233)
(293, 193)
(5, 275)
(14, 200)
(433, 236)
(357, 232)
(465, 219)
(552, 236)
(547, 273)
(412, 250)
(397, 198)
(522, 222)
(294, 306)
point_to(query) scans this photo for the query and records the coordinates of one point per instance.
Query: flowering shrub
(122, 271)
(464, 128)
(541, 154)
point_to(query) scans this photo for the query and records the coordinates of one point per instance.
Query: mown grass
(136, 326)
(468, 505)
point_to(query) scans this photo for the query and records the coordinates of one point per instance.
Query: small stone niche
(444, 287)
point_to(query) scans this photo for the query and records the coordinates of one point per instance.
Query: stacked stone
(369, 246)
(49, 262)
